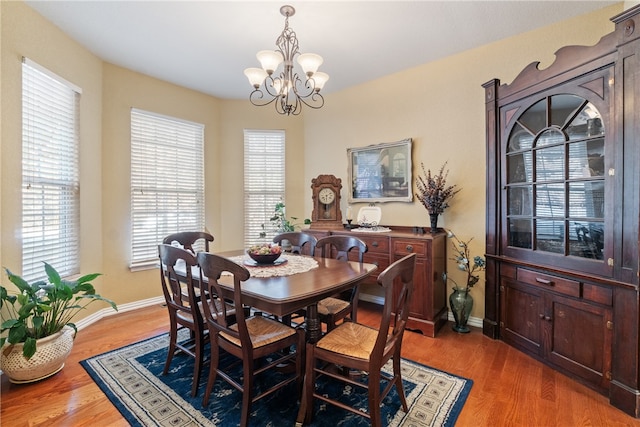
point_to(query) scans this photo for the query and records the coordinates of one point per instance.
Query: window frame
(264, 151)
(166, 182)
(50, 186)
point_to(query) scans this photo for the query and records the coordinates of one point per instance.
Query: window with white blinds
(263, 181)
(50, 183)
(167, 182)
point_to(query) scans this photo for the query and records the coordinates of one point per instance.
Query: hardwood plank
(510, 388)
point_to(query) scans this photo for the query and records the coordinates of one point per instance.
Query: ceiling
(206, 45)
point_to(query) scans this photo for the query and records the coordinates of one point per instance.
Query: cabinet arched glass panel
(556, 179)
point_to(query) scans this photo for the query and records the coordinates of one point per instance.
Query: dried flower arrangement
(433, 191)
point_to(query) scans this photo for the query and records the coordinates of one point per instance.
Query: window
(167, 182)
(263, 181)
(50, 184)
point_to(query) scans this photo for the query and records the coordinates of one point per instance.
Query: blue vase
(461, 304)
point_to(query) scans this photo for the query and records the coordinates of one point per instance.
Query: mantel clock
(326, 212)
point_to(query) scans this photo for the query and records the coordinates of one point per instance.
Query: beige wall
(25, 33)
(440, 105)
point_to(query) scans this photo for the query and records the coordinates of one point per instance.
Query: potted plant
(280, 223)
(434, 193)
(37, 332)
(460, 300)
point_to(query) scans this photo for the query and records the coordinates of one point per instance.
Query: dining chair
(249, 338)
(185, 310)
(338, 307)
(187, 239)
(363, 348)
(301, 243)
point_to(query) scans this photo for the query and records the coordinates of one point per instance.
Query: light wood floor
(510, 388)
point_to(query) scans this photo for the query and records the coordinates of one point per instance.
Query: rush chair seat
(249, 339)
(301, 243)
(335, 308)
(185, 310)
(356, 346)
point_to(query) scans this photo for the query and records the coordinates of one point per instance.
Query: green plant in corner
(43, 308)
(280, 223)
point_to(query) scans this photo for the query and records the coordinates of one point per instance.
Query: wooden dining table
(282, 295)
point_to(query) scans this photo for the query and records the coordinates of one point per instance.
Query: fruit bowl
(264, 254)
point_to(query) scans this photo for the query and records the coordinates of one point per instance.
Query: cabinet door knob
(409, 248)
(541, 315)
(547, 318)
(375, 244)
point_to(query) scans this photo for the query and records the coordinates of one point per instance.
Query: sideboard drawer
(406, 247)
(547, 281)
(378, 243)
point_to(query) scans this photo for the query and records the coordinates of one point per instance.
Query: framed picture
(380, 173)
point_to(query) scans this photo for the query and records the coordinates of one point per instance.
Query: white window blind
(167, 182)
(50, 183)
(263, 181)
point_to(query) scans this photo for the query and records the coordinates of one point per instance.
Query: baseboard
(122, 308)
(473, 321)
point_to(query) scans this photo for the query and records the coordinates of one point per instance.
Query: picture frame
(381, 173)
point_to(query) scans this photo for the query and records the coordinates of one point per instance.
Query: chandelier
(285, 88)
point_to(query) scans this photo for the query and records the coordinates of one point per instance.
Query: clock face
(326, 196)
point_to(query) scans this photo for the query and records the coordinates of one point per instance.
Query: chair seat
(350, 339)
(262, 331)
(332, 305)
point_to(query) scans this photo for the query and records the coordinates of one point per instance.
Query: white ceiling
(206, 45)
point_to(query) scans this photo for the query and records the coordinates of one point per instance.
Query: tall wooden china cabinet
(563, 209)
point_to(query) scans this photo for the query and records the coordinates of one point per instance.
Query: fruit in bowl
(265, 253)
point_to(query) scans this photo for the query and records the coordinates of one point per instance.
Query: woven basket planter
(51, 353)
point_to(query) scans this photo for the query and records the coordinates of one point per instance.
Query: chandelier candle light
(285, 87)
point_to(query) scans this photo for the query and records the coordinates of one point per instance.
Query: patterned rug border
(444, 415)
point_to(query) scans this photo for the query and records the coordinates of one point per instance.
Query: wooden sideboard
(428, 310)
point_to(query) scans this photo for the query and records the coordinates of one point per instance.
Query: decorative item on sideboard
(460, 300)
(434, 194)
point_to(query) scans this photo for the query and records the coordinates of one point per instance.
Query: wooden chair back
(172, 287)
(187, 239)
(338, 246)
(301, 243)
(397, 282)
(216, 312)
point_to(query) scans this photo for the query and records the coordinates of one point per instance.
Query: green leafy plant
(280, 223)
(462, 258)
(43, 308)
(433, 191)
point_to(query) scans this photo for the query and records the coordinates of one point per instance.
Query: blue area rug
(132, 379)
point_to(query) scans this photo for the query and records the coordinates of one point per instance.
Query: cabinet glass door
(556, 180)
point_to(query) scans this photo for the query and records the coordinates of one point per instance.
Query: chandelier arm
(316, 98)
(256, 98)
(313, 98)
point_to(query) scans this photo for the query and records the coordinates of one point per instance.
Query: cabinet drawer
(376, 243)
(552, 283)
(406, 247)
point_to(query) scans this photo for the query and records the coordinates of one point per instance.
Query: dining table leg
(314, 332)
